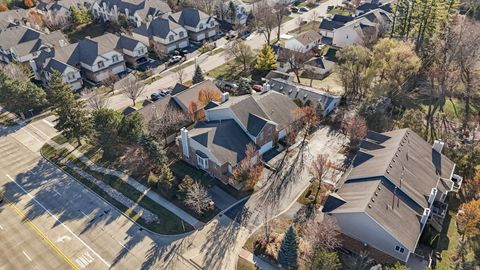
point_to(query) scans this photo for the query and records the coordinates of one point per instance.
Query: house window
(200, 26)
(140, 51)
(70, 75)
(399, 249)
(202, 162)
(115, 58)
(100, 64)
(181, 34)
(170, 38)
(212, 23)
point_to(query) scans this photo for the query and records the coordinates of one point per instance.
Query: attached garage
(171, 48)
(212, 33)
(265, 148)
(183, 44)
(200, 37)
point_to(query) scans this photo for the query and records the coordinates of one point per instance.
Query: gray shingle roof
(218, 136)
(189, 17)
(308, 37)
(330, 25)
(185, 97)
(142, 7)
(109, 40)
(159, 27)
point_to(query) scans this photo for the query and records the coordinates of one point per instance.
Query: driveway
(221, 198)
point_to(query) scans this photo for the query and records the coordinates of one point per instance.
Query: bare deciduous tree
(296, 59)
(180, 75)
(321, 166)
(165, 124)
(356, 129)
(95, 100)
(110, 81)
(265, 19)
(56, 20)
(280, 10)
(322, 234)
(132, 87)
(197, 198)
(249, 170)
(241, 52)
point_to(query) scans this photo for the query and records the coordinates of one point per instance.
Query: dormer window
(170, 38)
(115, 58)
(70, 75)
(200, 26)
(181, 34)
(212, 23)
(100, 64)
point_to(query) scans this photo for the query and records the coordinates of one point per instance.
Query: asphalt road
(53, 222)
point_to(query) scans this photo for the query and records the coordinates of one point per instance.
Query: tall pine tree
(73, 120)
(198, 75)
(266, 60)
(288, 253)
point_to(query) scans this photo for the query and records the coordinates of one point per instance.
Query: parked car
(304, 9)
(243, 35)
(227, 86)
(155, 96)
(174, 59)
(257, 87)
(294, 9)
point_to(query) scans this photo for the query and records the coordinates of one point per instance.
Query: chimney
(184, 138)
(433, 195)
(225, 96)
(438, 146)
(425, 215)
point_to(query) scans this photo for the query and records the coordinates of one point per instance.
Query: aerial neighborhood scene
(240, 134)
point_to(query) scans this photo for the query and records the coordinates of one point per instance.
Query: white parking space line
(68, 229)
(26, 255)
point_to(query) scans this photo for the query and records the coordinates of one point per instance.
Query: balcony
(457, 182)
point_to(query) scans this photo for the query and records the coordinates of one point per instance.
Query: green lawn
(313, 25)
(340, 11)
(454, 109)
(227, 71)
(182, 66)
(243, 264)
(449, 238)
(169, 223)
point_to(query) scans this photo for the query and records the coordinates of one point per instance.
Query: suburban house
(342, 31)
(90, 59)
(134, 52)
(302, 94)
(189, 99)
(396, 187)
(22, 44)
(233, 12)
(13, 17)
(369, 6)
(274, 74)
(61, 7)
(322, 65)
(162, 34)
(136, 11)
(304, 41)
(199, 25)
(218, 144)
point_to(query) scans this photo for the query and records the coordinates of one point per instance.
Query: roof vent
(373, 199)
(379, 188)
(369, 206)
(376, 193)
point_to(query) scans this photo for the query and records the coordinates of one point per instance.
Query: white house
(304, 41)
(199, 25)
(232, 11)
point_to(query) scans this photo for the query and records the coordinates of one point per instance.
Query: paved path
(135, 184)
(257, 261)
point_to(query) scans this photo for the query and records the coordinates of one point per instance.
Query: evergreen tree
(185, 186)
(288, 253)
(106, 123)
(131, 127)
(326, 261)
(266, 59)
(73, 120)
(80, 15)
(243, 87)
(20, 96)
(198, 76)
(155, 152)
(166, 178)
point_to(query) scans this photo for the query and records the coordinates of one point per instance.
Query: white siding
(363, 228)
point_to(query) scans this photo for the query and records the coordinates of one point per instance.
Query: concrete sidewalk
(257, 261)
(135, 184)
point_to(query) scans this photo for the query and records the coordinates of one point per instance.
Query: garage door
(211, 33)
(171, 48)
(265, 148)
(183, 44)
(201, 37)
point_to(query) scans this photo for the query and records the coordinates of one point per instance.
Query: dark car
(155, 96)
(243, 35)
(294, 9)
